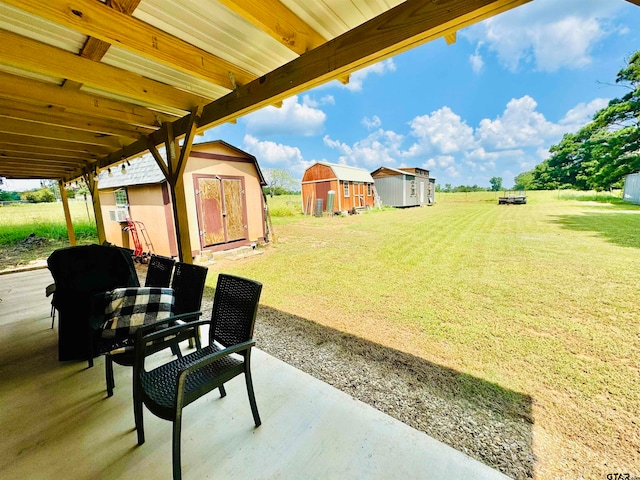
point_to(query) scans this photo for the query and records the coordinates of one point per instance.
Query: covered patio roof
(85, 84)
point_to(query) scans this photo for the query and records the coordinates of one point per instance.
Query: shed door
(221, 210)
(421, 192)
(322, 191)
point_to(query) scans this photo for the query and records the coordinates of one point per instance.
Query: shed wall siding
(395, 190)
(391, 190)
(631, 192)
(145, 205)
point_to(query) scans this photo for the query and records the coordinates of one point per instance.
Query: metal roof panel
(348, 173)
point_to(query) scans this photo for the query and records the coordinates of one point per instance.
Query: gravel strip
(430, 398)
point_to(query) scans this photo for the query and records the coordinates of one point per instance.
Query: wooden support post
(178, 201)
(173, 171)
(92, 184)
(67, 213)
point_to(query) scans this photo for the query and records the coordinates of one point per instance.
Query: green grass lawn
(540, 299)
(45, 220)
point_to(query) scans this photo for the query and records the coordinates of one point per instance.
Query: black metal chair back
(188, 287)
(235, 305)
(159, 271)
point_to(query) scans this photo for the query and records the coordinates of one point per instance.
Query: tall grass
(285, 205)
(45, 220)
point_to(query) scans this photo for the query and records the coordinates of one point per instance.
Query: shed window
(121, 198)
(121, 213)
(412, 188)
(346, 189)
(368, 189)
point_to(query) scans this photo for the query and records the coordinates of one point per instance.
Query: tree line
(602, 153)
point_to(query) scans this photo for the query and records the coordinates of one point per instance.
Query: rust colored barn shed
(404, 187)
(223, 191)
(353, 188)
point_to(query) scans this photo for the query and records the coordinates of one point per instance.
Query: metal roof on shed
(350, 174)
(141, 171)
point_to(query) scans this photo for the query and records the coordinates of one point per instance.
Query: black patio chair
(79, 273)
(188, 287)
(167, 389)
(159, 271)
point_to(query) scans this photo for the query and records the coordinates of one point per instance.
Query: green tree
(524, 181)
(41, 195)
(603, 152)
(496, 184)
(280, 181)
(9, 196)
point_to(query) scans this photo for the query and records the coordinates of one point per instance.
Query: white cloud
(275, 155)
(519, 126)
(477, 63)
(379, 148)
(545, 35)
(371, 123)
(293, 118)
(442, 131)
(308, 101)
(582, 113)
(357, 78)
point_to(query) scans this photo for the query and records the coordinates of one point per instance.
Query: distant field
(45, 220)
(538, 299)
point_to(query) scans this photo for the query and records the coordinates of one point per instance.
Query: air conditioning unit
(119, 215)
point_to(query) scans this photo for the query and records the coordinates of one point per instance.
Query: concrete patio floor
(56, 422)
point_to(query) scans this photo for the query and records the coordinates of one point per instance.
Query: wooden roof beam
(107, 24)
(38, 171)
(38, 162)
(57, 144)
(274, 18)
(50, 116)
(41, 130)
(31, 55)
(26, 90)
(28, 151)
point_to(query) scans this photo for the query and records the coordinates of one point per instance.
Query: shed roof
(348, 173)
(141, 171)
(395, 170)
(145, 171)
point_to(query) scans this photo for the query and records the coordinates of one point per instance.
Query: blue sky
(490, 104)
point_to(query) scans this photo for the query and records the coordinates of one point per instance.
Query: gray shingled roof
(350, 174)
(141, 171)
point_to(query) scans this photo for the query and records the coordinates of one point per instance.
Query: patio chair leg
(197, 336)
(175, 349)
(137, 413)
(252, 398)
(177, 427)
(108, 367)
(223, 392)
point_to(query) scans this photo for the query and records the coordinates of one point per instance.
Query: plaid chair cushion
(129, 308)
